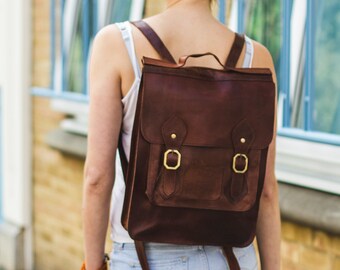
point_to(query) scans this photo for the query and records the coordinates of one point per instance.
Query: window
(262, 22)
(326, 108)
(300, 34)
(302, 37)
(85, 18)
(73, 26)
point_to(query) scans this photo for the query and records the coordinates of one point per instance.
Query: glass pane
(326, 116)
(298, 107)
(263, 24)
(84, 20)
(75, 83)
(119, 10)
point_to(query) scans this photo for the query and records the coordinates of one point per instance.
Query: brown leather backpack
(198, 152)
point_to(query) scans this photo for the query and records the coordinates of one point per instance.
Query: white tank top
(118, 233)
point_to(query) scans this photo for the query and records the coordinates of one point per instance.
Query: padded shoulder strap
(154, 40)
(235, 51)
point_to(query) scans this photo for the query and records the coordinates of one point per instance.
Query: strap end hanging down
(142, 255)
(231, 258)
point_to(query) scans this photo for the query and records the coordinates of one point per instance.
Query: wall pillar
(15, 81)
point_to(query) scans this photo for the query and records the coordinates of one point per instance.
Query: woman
(186, 27)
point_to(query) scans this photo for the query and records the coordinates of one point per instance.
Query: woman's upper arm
(262, 58)
(105, 113)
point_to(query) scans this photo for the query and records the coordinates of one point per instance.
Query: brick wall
(58, 182)
(57, 197)
(57, 177)
(304, 248)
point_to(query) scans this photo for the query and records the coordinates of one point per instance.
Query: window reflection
(80, 20)
(263, 24)
(326, 115)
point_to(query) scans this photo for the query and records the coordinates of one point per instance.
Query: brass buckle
(165, 161)
(245, 166)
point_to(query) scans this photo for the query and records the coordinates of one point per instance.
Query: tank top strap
(248, 58)
(125, 29)
(236, 49)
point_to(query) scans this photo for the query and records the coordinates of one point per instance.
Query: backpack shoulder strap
(154, 40)
(235, 51)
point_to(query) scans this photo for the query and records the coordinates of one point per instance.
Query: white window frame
(308, 164)
(301, 162)
(79, 111)
(69, 28)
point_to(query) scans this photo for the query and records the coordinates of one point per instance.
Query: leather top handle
(183, 59)
(158, 45)
(162, 63)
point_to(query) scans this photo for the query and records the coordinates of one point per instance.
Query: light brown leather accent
(103, 267)
(182, 60)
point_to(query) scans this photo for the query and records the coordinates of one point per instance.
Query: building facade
(44, 50)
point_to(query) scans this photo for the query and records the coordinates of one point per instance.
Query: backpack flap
(206, 130)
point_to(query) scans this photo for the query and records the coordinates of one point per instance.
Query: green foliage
(327, 68)
(263, 24)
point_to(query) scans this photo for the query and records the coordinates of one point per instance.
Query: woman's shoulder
(108, 44)
(109, 35)
(262, 56)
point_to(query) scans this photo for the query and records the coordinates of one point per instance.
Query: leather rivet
(173, 136)
(243, 140)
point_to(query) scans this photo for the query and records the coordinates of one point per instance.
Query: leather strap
(232, 261)
(142, 255)
(242, 137)
(174, 132)
(235, 51)
(154, 40)
(162, 50)
(140, 249)
(123, 158)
